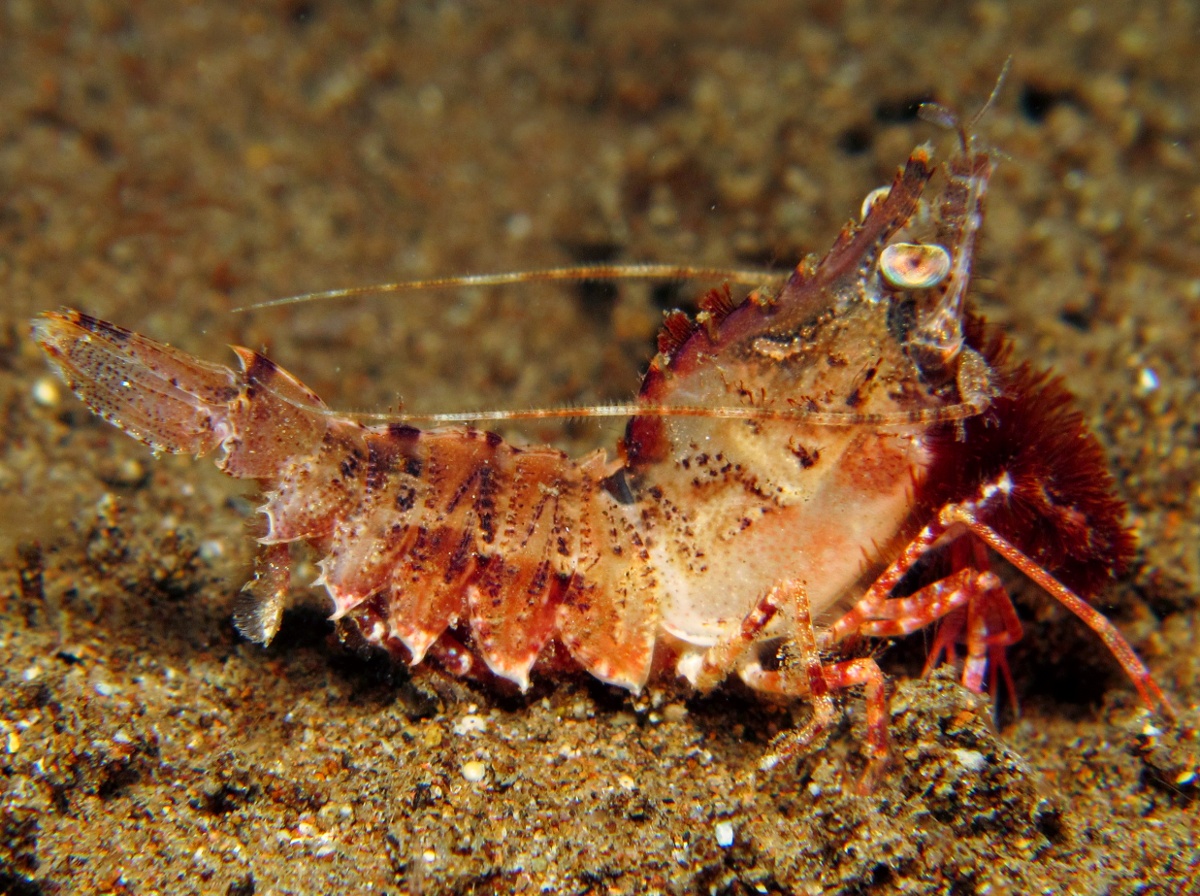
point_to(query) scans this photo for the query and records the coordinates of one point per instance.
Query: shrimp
(832, 460)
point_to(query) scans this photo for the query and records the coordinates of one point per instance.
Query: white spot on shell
(877, 195)
(914, 265)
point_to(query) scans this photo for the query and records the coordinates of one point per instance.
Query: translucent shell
(914, 265)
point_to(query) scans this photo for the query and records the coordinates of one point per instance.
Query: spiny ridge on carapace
(830, 460)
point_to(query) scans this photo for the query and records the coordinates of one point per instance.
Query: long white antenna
(584, 272)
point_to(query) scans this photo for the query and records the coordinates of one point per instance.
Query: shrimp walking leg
(835, 677)
(974, 609)
(988, 626)
(803, 674)
(1152, 696)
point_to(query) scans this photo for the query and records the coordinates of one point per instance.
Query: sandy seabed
(162, 163)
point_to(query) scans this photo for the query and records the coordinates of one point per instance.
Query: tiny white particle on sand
(46, 392)
(724, 834)
(470, 725)
(971, 760)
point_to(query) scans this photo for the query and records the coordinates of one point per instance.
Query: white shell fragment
(914, 265)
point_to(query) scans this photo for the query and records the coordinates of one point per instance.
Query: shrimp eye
(914, 265)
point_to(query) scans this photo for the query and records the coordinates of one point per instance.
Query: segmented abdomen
(458, 527)
(419, 531)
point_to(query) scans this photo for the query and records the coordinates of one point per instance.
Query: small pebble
(432, 736)
(470, 725)
(474, 771)
(128, 472)
(210, 550)
(675, 712)
(46, 392)
(431, 100)
(518, 226)
(724, 833)
(971, 760)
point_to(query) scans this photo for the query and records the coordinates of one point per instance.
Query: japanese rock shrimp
(829, 461)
